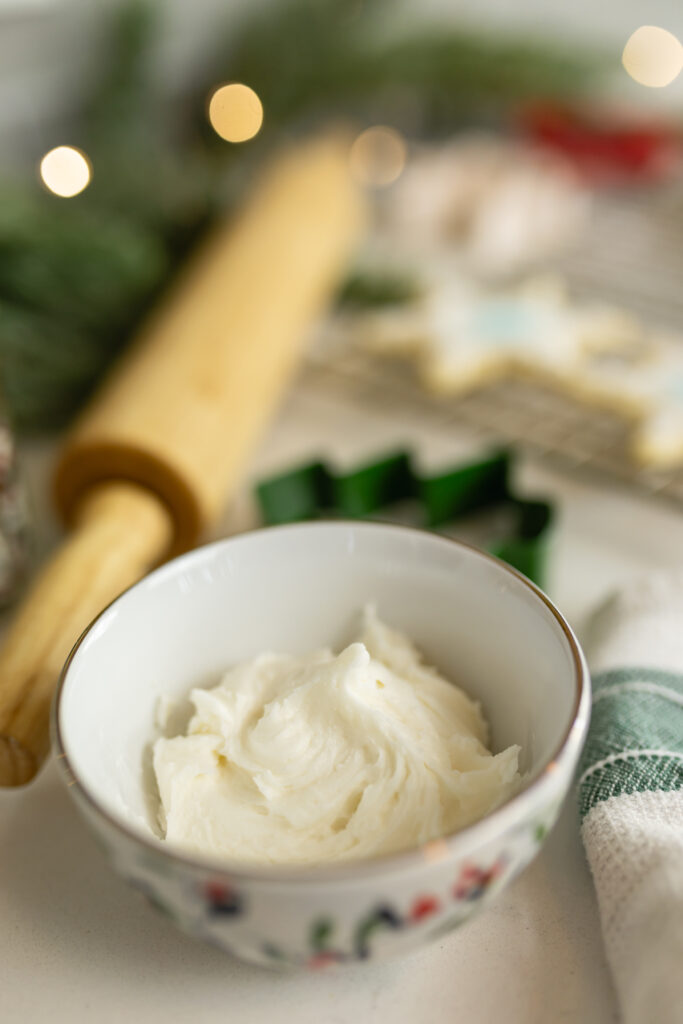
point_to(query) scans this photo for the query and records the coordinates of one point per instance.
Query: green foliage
(48, 366)
(78, 264)
(370, 289)
(72, 283)
(76, 275)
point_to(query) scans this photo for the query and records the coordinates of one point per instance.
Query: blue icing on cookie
(501, 322)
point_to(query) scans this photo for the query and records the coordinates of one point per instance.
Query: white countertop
(77, 945)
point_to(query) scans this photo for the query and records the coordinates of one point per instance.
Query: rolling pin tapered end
(17, 764)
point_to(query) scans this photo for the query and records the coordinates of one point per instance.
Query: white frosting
(299, 760)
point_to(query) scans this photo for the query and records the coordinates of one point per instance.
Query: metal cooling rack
(632, 256)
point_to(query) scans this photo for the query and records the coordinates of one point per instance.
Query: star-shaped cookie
(465, 337)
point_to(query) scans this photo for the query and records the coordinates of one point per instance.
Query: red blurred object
(603, 145)
(424, 907)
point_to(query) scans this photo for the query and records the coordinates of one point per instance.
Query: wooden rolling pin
(163, 445)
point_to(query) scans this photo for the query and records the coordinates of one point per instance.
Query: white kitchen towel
(631, 794)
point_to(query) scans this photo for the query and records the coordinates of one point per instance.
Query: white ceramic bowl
(296, 588)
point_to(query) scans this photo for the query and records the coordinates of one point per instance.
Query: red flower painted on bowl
(424, 907)
(222, 900)
(473, 881)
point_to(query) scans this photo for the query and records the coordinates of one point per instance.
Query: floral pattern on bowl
(238, 916)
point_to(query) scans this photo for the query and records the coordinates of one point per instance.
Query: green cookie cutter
(314, 491)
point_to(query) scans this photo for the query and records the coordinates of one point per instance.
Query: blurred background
(520, 280)
(50, 49)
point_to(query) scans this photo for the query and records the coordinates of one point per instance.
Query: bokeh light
(65, 171)
(653, 56)
(235, 112)
(378, 156)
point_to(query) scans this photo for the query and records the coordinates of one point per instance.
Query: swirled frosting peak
(302, 760)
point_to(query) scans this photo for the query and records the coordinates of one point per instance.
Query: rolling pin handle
(122, 531)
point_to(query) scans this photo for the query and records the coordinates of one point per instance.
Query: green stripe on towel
(635, 742)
